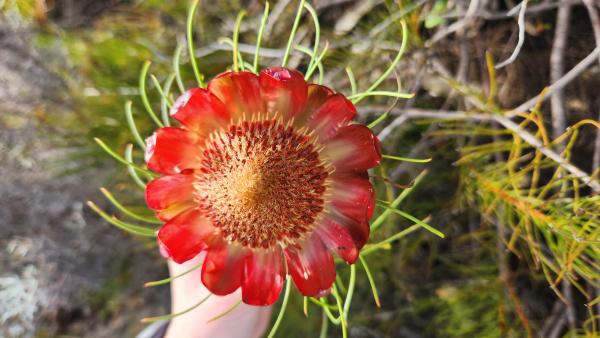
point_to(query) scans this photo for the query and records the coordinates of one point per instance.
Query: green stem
(288, 48)
(170, 316)
(352, 80)
(160, 90)
(109, 196)
(327, 308)
(340, 284)
(371, 280)
(349, 294)
(390, 69)
(132, 127)
(190, 43)
(131, 228)
(358, 97)
(261, 30)
(176, 60)
(406, 159)
(386, 242)
(236, 35)
(378, 120)
(284, 303)
(130, 169)
(315, 18)
(305, 305)
(317, 62)
(386, 213)
(320, 303)
(310, 53)
(232, 44)
(415, 220)
(228, 311)
(324, 325)
(144, 95)
(338, 300)
(118, 157)
(166, 102)
(170, 279)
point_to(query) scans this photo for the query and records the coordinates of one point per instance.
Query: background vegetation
(512, 187)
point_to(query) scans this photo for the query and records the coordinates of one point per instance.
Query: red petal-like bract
(171, 150)
(223, 269)
(283, 91)
(168, 195)
(268, 175)
(184, 236)
(265, 273)
(354, 148)
(353, 195)
(200, 111)
(311, 266)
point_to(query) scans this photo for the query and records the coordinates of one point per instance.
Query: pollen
(262, 182)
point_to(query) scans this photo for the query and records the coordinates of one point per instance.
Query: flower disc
(261, 182)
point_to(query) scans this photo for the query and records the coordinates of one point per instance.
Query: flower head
(268, 175)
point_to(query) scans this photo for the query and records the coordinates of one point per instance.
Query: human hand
(186, 291)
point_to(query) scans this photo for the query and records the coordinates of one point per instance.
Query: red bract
(268, 175)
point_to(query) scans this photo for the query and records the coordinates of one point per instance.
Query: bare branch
(559, 84)
(531, 10)
(352, 16)
(456, 26)
(533, 141)
(385, 132)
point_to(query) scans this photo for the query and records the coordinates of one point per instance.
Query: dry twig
(521, 23)
(559, 84)
(533, 141)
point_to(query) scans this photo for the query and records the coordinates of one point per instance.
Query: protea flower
(268, 175)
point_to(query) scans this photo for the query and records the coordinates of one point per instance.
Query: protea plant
(267, 173)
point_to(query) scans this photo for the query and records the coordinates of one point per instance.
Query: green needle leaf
(288, 48)
(176, 68)
(338, 300)
(386, 213)
(168, 280)
(132, 127)
(352, 80)
(371, 281)
(406, 159)
(236, 35)
(170, 316)
(144, 95)
(166, 102)
(131, 228)
(315, 18)
(358, 97)
(130, 169)
(391, 67)
(261, 30)
(117, 157)
(228, 311)
(109, 196)
(190, 43)
(415, 220)
(284, 303)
